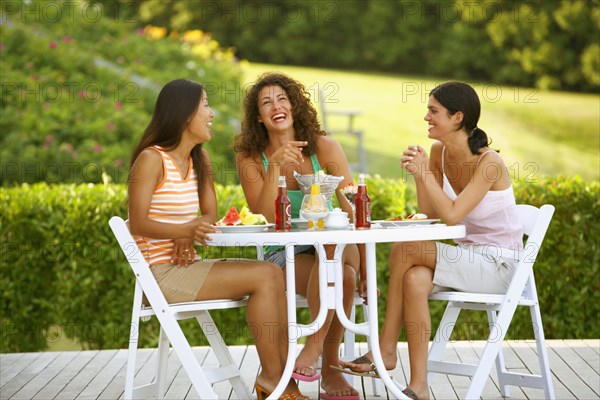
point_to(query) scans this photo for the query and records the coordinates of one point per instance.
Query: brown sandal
(361, 360)
(408, 392)
(295, 395)
(262, 394)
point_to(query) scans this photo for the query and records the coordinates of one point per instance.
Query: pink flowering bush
(77, 94)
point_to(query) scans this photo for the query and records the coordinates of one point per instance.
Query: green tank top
(295, 196)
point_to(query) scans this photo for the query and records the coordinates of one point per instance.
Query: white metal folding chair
(500, 310)
(170, 332)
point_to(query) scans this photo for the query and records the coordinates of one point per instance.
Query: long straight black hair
(177, 102)
(458, 96)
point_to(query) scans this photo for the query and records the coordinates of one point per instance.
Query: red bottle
(363, 205)
(282, 207)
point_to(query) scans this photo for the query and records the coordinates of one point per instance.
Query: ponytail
(458, 96)
(477, 139)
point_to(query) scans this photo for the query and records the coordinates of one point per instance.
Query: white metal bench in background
(351, 130)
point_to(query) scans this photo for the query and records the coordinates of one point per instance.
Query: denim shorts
(278, 256)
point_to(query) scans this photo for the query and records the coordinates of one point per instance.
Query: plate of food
(406, 222)
(413, 219)
(243, 228)
(244, 221)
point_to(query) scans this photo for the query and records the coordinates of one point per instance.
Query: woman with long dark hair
(466, 182)
(170, 181)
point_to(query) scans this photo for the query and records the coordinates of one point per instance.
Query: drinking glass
(314, 210)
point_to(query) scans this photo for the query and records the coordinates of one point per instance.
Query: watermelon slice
(232, 218)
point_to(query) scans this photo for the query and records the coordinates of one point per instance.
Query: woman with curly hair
(281, 135)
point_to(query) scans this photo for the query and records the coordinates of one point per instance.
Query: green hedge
(61, 271)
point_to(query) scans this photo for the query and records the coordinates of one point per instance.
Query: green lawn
(538, 133)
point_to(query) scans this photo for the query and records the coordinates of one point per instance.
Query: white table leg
(373, 336)
(296, 330)
(290, 269)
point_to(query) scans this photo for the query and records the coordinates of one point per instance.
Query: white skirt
(474, 269)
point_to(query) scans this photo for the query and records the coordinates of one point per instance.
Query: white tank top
(494, 221)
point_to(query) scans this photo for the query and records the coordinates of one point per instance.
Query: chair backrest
(535, 222)
(127, 243)
(138, 263)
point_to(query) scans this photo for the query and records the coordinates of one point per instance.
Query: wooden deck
(575, 368)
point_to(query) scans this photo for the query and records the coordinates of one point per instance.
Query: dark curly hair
(254, 138)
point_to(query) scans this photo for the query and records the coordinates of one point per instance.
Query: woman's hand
(414, 160)
(291, 152)
(201, 234)
(184, 252)
(362, 290)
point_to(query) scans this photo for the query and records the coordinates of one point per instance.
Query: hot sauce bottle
(282, 207)
(363, 205)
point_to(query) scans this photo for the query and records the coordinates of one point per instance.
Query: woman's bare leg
(305, 265)
(334, 382)
(418, 283)
(403, 257)
(266, 310)
(327, 340)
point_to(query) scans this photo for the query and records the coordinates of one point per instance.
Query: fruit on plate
(244, 217)
(232, 218)
(251, 219)
(411, 216)
(417, 216)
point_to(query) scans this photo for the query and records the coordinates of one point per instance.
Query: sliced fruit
(245, 217)
(232, 218)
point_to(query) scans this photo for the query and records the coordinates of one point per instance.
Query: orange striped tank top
(174, 201)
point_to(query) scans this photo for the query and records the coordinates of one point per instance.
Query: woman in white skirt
(462, 182)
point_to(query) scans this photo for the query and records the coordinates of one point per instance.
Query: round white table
(331, 271)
